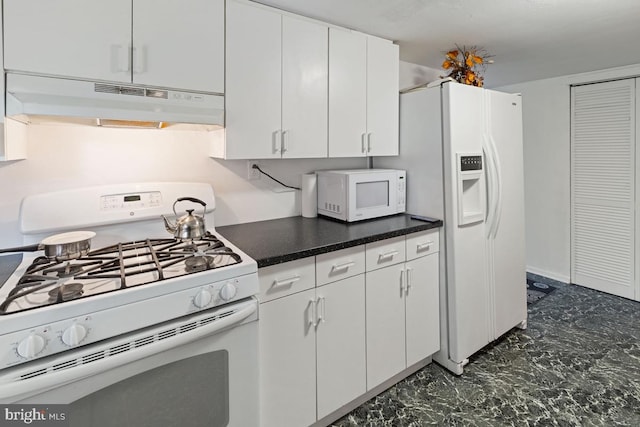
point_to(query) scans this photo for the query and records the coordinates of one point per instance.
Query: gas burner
(66, 270)
(66, 292)
(198, 263)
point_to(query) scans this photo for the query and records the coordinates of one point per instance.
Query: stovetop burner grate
(115, 267)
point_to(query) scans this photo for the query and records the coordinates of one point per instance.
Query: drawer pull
(285, 282)
(344, 266)
(424, 246)
(387, 256)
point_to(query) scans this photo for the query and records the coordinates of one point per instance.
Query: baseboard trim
(548, 274)
(344, 410)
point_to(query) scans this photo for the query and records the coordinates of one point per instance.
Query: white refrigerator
(462, 149)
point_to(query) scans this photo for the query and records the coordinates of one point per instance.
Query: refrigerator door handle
(491, 185)
(498, 176)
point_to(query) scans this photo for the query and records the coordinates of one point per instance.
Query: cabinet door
(422, 309)
(347, 93)
(179, 44)
(71, 38)
(340, 344)
(383, 97)
(305, 57)
(287, 361)
(385, 324)
(253, 91)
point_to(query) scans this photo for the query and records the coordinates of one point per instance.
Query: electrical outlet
(252, 173)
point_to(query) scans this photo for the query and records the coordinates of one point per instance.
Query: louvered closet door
(603, 186)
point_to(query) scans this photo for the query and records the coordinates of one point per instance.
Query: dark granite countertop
(280, 240)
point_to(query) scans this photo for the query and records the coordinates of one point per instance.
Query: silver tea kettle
(188, 226)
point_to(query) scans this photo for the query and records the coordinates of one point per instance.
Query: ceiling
(529, 39)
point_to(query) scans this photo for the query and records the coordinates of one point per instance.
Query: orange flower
(447, 64)
(452, 54)
(477, 59)
(469, 61)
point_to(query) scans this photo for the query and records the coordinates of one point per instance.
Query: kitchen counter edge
(287, 239)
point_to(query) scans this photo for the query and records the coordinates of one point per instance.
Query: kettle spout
(168, 226)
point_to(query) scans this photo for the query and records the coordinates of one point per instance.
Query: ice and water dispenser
(470, 188)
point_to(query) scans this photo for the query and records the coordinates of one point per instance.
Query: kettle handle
(190, 199)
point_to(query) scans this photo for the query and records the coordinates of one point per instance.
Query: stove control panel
(174, 298)
(140, 200)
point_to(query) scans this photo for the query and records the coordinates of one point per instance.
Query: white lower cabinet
(312, 351)
(322, 345)
(340, 344)
(402, 309)
(288, 361)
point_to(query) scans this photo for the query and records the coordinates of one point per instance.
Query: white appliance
(38, 99)
(462, 149)
(145, 329)
(357, 194)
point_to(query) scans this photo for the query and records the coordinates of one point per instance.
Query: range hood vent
(37, 99)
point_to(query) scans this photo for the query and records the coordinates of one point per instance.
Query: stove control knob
(228, 291)
(74, 334)
(31, 346)
(202, 298)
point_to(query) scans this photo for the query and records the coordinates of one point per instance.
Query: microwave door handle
(13, 391)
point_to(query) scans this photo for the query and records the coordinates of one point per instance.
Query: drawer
(284, 279)
(337, 265)
(423, 243)
(385, 252)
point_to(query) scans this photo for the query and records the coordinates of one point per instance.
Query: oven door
(200, 370)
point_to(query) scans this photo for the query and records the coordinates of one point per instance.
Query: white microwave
(357, 194)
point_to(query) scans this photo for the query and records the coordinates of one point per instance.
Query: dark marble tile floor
(577, 364)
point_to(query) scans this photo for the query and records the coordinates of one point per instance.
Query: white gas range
(140, 302)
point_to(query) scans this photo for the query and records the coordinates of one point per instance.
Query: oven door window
(191, 392)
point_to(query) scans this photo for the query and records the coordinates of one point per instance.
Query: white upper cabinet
(253, 95)
(383, 99)
(363, 95)
(276, 88)
(168, 44)
(304, 88)
(179, 44)
(73, 38)
(347, 93)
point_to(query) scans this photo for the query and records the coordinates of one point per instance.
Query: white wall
(546, 121)
(64, 156)
(414, 74)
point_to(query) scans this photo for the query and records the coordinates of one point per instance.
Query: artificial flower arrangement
(466, 65)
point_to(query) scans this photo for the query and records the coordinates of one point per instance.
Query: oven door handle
(13, 388)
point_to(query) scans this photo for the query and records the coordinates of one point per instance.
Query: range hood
(37, 99)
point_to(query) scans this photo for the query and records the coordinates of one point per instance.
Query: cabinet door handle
(276, 141)
(139, 56)
(387, 256)
(283, 141)
(364, 147)
(120, 58)
(285, 282)
(408, 286)
(424, 246)
(402, 289)
(321, 313)
(311, 313)
(344, 266)
(368, 143)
